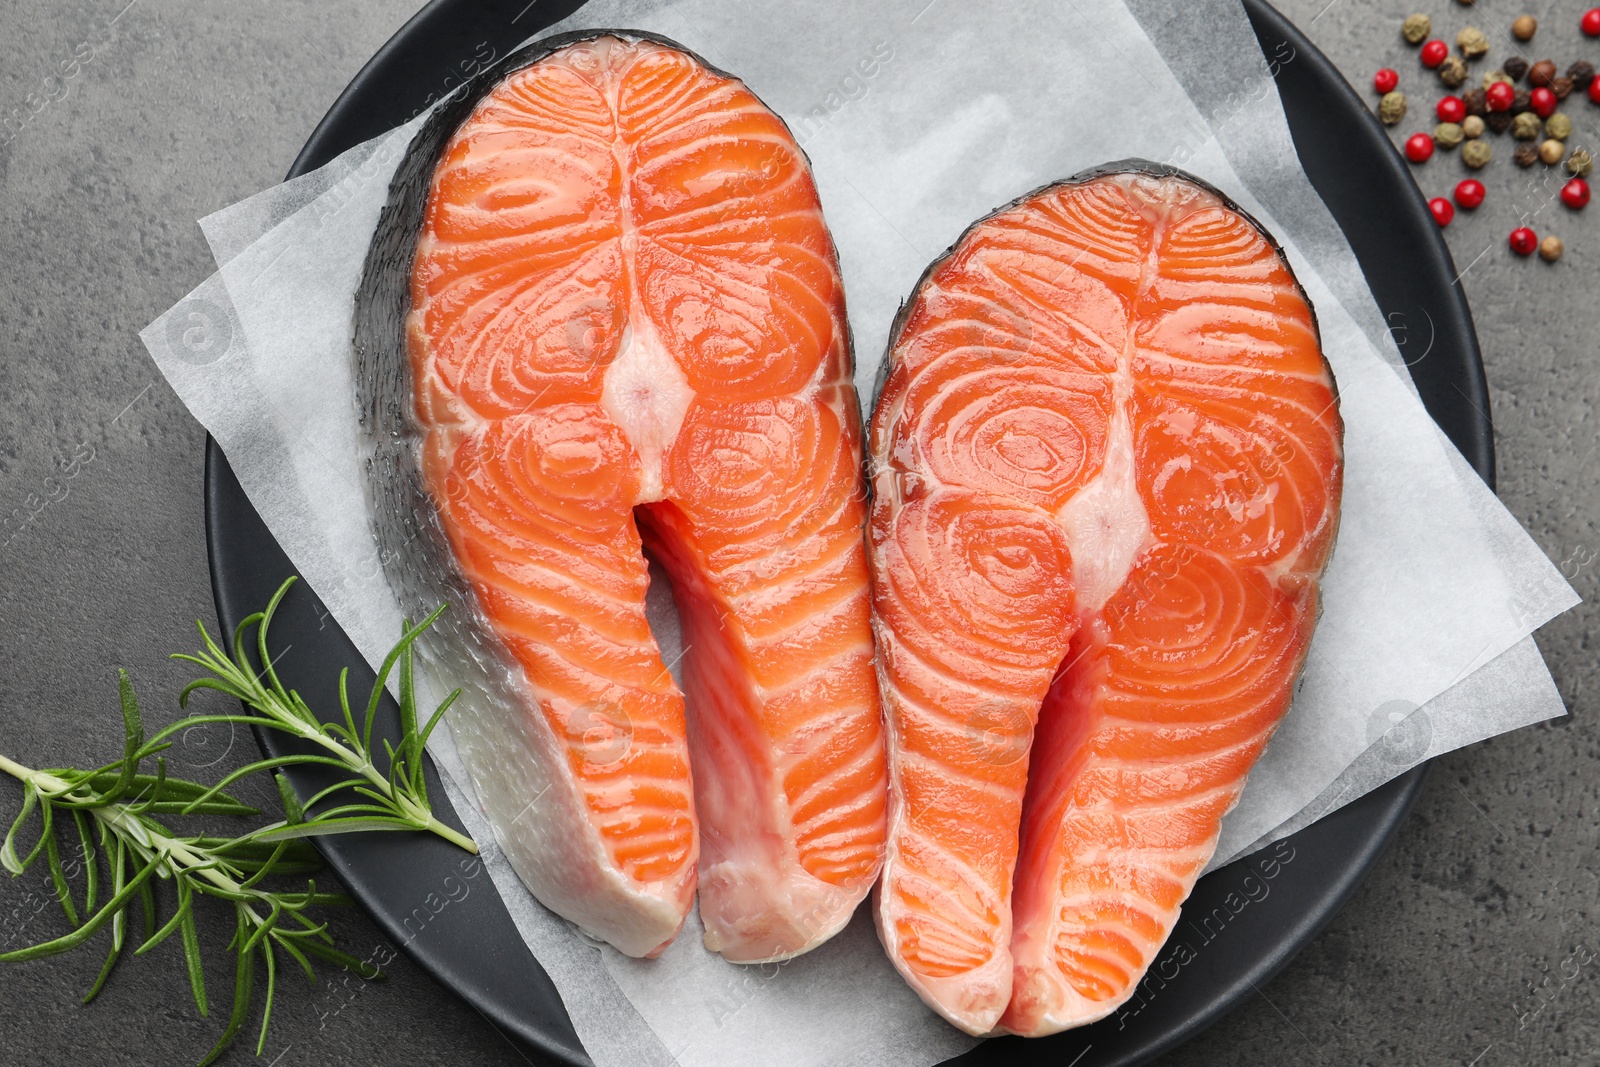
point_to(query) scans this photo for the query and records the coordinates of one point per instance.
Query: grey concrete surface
(1474, 942)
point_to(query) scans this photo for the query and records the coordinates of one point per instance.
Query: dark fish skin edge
(414, 549)
(1120, 166)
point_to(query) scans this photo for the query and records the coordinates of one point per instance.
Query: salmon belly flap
(1106, 468)
(626, 330)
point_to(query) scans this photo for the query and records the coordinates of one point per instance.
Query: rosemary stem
(172, 850)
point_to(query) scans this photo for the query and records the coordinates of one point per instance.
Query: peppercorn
(1415, 28)
(1550, 249)
(1580, 163)
(1443, 210)
(1470, 193)
(1499, 96)
(1450, 109)
(1523, 241)
(1550, 152)
(1453, 71)
(1433, 53)
(1516, 66)
(1419, 148)
(1386, 80)
(1498, 121)
(1558, 126)
(1542, 102)
(1465, 3)
(1449, 134)
(1594, 89)
(1472, 42)
(1474, 100)
(1590, 23)
(1392, 108)
(1526, 126)
(1580, 73)
(1521, 100)
(1524, 27)
(1542, 73)
(1472, 127)
(1476, 153)
(1561, 85)
(1575, 194)
(1525, 156)
(1496, 76)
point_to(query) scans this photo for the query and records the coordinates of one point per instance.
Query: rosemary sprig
(396, 801)
(113, 811)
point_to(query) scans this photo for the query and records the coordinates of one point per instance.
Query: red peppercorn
(1469, 193)
(1434, 53)
(1442, 211)
(1524, 241)
(1543, 102)
(1575, 194)
(1419, 147)
(1500, 96)
(1590, 23)
(1451, 109)
(1385, 80)
(1594, 90)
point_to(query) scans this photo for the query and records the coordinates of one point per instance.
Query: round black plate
(1243, 922)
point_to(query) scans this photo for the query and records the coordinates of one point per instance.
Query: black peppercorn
(1520, 102)
(1476, 105)
(1526, 155)
(1580, 73)
(1516, 67)
(1561, 86)
(1498, 121)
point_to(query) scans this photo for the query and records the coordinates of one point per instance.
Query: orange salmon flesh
(627, 331)
(1106, 467)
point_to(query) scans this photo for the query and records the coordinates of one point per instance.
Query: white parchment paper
(918, 118)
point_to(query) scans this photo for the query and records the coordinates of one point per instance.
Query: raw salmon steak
(603, 313)
(1106, 468)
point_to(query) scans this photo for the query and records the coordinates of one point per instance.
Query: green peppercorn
(1392, 108)
(1472, 42)
(1580, 163)
(1416, 28)
(1526, 126)
(1447, 135)
(1453, 71)
(1476, 153)
(1558, 126)
(1472, 127)
(1498, 76)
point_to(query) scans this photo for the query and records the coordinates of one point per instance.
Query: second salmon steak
(1107, 462)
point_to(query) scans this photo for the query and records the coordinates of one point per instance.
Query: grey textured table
(1474, 942)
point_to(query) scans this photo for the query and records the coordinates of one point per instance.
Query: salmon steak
(1106, 465)
(602, 314)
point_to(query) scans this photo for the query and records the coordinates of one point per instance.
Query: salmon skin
(1106, 466)
(601, 311)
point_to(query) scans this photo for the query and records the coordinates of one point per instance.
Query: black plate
(1287, 894)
